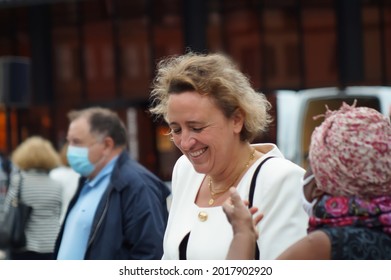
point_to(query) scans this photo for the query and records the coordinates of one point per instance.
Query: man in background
(119, 210)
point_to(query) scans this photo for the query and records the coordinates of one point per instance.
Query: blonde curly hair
(217, 76)
(36, 153)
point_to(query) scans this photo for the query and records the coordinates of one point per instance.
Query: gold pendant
(211, 201)
(202, 216)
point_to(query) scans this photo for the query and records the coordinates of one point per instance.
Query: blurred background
(61, 55)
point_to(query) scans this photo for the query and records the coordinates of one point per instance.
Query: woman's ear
(316, 193)
(238, 120)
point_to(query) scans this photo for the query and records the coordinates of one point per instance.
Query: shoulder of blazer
(253, 181)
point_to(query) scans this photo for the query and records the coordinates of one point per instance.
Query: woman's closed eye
(198, 129)
(177, 131)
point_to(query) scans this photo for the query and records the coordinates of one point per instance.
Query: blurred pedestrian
(36, 157)
(6, 167)
(67, 177)
(120, 208)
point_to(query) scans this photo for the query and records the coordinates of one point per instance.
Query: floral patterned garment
(358, 229)
(336, 211)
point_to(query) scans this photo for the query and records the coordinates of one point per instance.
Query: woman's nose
(186, 141)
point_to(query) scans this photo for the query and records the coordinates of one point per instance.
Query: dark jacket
(131, 217)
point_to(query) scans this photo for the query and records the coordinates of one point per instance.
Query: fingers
(257, 219)
(236, 200)
(235, 206)
(228, 209)
(253, 210)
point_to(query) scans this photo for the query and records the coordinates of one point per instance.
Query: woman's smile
(198, 153)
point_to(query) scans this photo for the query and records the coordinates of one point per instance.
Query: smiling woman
(214, 115)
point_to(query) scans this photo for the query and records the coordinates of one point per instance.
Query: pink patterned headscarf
(350, 152)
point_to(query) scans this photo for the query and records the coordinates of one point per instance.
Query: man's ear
(109, 143)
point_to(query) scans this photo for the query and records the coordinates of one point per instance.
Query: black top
(358, 243)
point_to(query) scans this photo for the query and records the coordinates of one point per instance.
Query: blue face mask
(78, 160)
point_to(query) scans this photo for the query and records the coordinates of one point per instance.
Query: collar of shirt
(106, 171)
(80, 218)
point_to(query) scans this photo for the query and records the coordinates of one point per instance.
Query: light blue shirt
(78, 224)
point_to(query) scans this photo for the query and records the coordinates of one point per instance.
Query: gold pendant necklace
(213, 193)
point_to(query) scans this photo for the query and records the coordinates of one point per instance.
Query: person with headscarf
(68, 178)
(346, 192)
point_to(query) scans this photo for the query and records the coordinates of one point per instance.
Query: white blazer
(277, 195)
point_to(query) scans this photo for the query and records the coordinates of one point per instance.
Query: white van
(295, 111)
